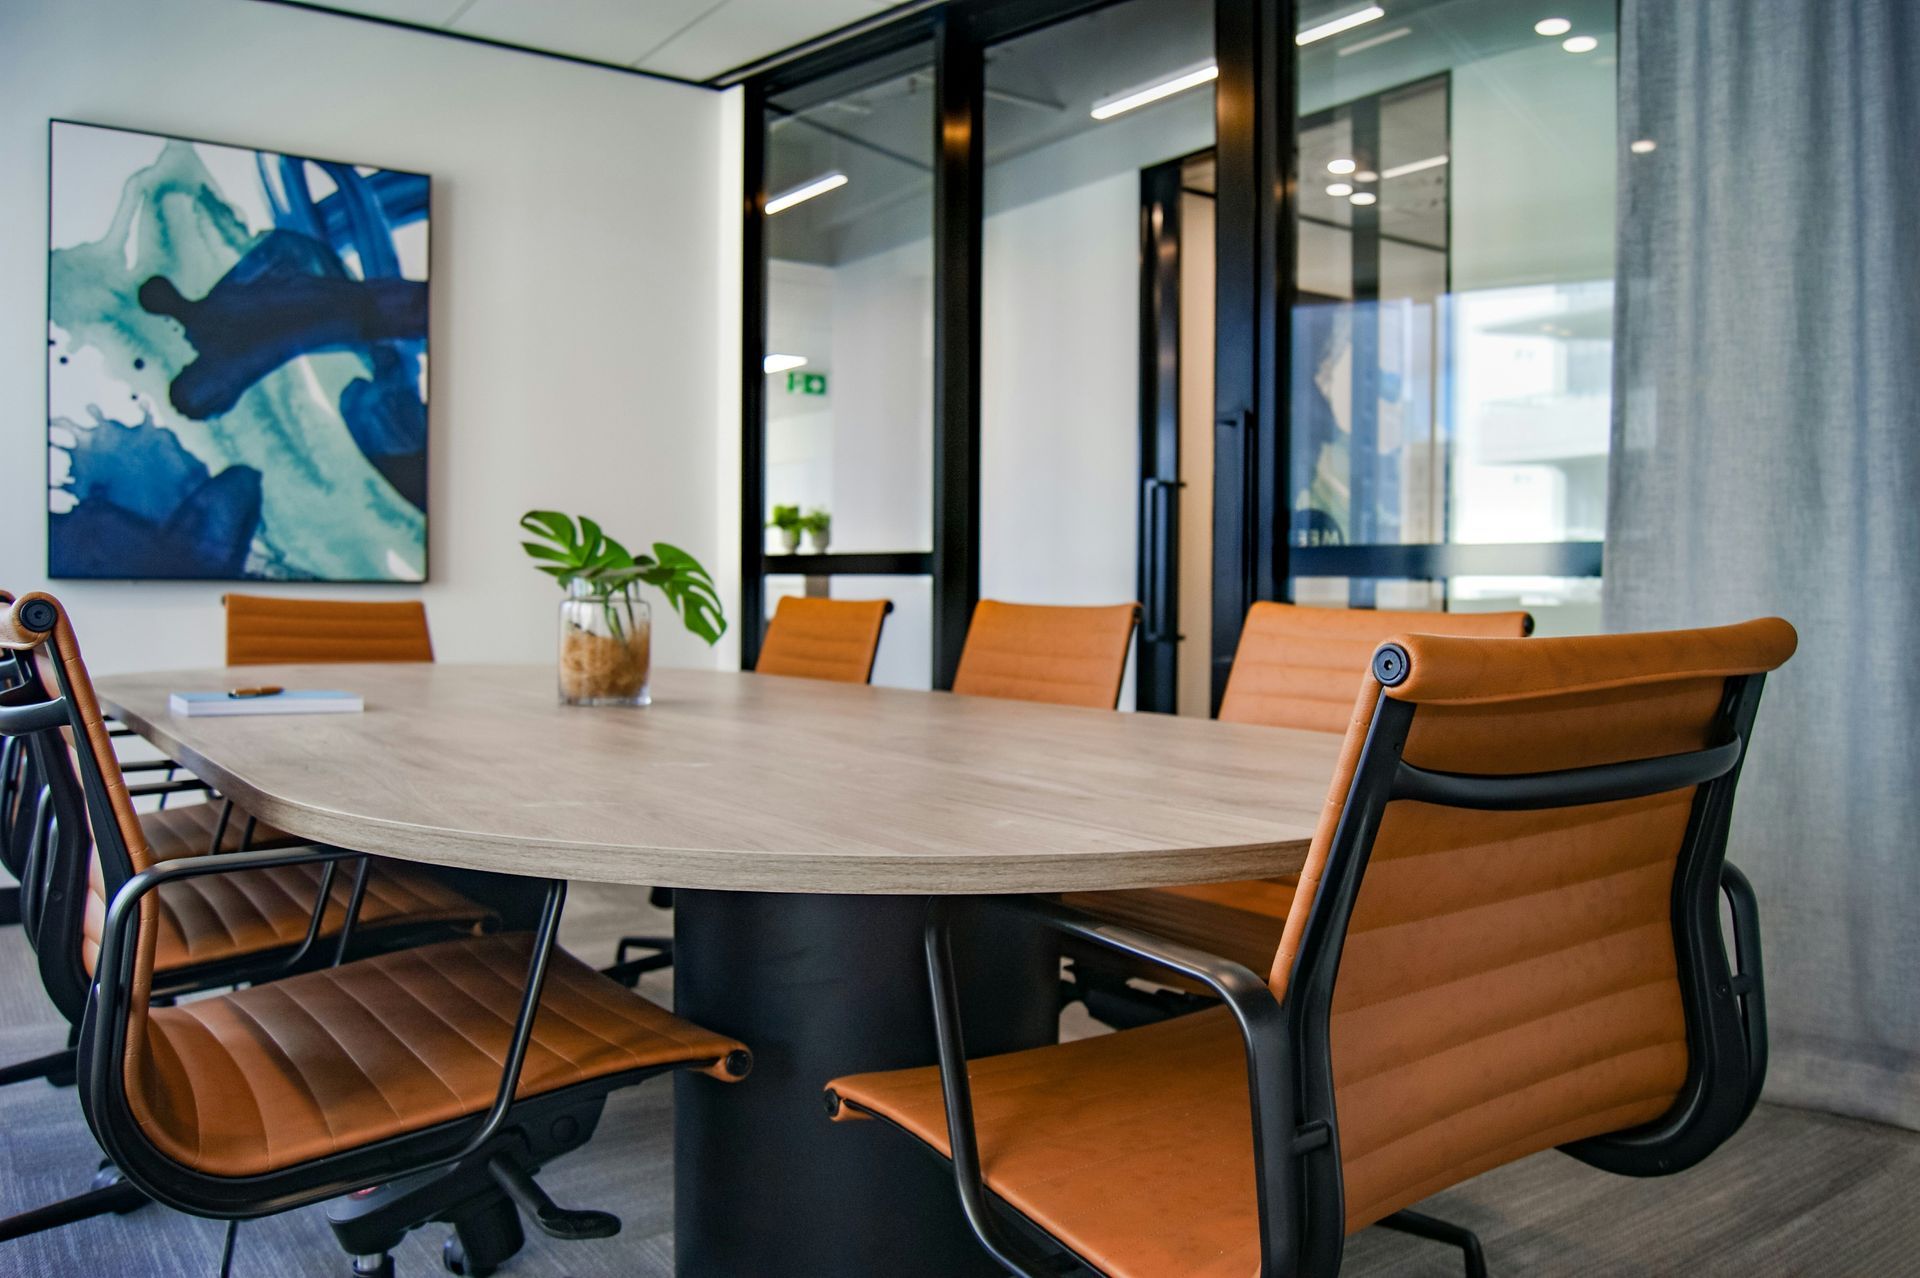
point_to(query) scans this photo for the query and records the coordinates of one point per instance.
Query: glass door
(847, 400)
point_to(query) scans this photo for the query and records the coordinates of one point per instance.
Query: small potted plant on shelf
(787, 519)
(606, 630)
(819, 528)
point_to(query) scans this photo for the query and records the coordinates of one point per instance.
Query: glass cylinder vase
(606, 649)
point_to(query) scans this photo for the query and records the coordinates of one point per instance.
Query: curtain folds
(1766, 459)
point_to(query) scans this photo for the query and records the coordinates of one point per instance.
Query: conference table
(804, 826)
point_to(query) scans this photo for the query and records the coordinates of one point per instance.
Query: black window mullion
(959, 114)
(753, 382)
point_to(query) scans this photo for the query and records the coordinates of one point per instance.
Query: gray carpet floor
(1793, 1193)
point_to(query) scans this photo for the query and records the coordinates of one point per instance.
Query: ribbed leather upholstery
(1508, 983)
(229, 916)
(1297, 667)
(187, 830)
(267, 630)
(280, 1074)
(1032, 652)
(270, 1076)
(832, 639)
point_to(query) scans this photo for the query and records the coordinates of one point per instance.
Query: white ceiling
(692, 39)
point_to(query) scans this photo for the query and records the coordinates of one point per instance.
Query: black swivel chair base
(110, 1193)
(483, 1198)
(1421, 1225)
(628, 971)
(58, 1068)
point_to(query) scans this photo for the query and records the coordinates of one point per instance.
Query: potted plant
(606, 630)
(819, 528)
(787, 519)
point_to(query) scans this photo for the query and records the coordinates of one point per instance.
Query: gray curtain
(1766, 459)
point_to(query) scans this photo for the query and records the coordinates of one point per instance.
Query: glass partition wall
(848, 359)
(1451, 351)
(1195, 302)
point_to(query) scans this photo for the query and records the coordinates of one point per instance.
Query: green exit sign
(799, 383)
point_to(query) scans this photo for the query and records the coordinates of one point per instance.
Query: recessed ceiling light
(1580, 44)
(1414, 166)
(1371, 42)
(1362, 198)
(1642, 146)
(1107, 108)
(1339, 190)
(806, 191)
(1552, 27)
(1333, 27)
(1366, 175)
(1342, 167)
(781, 363)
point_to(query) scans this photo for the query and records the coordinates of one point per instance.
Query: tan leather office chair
(833, 639)
(211, 932)
(1507, 938)
(1070, 656)
(1295, 667)
(270, 630)
(365, 1073)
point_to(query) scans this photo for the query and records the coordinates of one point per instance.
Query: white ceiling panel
(426, 13)
(622, 31)
(692, 39)
(740, 31)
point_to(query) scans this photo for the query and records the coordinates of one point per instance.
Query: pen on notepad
(270, 690)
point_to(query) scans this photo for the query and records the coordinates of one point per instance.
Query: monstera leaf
(577, 550)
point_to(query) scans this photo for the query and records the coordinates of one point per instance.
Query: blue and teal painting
(237, 363)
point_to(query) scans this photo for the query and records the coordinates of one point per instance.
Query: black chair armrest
(149, 788)
(1263, 1031)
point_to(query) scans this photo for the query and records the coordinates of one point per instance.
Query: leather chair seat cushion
(1134, 1149)
(187, 830)
(278, 1074)
(226, 916)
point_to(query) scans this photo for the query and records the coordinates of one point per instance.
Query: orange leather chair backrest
(832, 639)
(1070, 656)
(36, 621)
(1296, 667)
(1509, 980)
(269, 630)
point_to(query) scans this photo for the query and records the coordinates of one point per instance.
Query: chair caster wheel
(380, 1266)
(454, 1257)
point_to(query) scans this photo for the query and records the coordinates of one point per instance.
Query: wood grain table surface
(740, 781)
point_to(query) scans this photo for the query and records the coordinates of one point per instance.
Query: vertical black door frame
(1157, 670)
(752, 623)
(1257, 144)
(1254, 99)
(958, 183)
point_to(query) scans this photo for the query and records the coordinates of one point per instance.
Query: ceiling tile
(426, 13)
(619, 31)
(740, 31)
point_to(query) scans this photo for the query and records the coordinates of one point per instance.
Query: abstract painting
(236, 363)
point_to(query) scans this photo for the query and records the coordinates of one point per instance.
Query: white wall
(583, 251)
(1060, 399)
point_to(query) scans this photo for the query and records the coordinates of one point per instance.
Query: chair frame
(1291, 1090)
(468, 1144)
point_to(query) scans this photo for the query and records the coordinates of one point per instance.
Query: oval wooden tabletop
(751, 781)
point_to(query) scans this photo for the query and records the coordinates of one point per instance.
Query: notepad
(292, 701)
